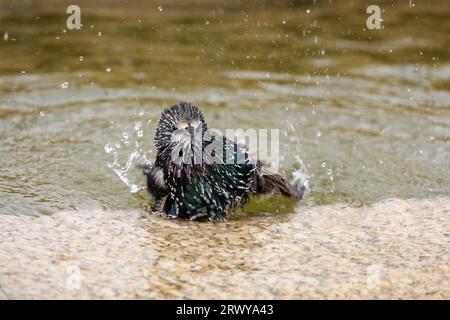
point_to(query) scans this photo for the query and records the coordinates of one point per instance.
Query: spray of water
(127, 155)
(300, 176)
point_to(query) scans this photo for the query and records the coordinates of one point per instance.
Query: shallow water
(365, 115)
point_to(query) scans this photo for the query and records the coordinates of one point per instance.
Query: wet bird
(198, 175)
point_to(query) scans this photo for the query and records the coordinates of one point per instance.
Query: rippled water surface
(364, 114)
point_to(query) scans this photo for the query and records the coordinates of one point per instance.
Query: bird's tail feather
(269, 182)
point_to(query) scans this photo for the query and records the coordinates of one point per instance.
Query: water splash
(300, 176)
(127, 155)
(123, 172)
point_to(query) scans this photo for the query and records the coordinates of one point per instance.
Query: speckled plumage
(204, 190)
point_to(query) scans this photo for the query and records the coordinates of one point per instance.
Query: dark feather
(269, 182)
(197, 191)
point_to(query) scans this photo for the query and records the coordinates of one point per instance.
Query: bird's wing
(265, 180)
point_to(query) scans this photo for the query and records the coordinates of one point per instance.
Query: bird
(190, 179)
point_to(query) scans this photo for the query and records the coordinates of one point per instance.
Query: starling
(189, 180)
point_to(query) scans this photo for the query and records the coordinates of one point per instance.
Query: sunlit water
(364, 115)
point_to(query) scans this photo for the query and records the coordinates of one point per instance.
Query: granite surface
(392, 249)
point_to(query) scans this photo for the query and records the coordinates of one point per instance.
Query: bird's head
(179, 134)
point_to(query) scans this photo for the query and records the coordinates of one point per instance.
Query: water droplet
(308, 11)
(329, 172)
(42, 114)
(81, 58)
(323, 165)
(284, 22)
(5, 36)
(65, 85)
(108, 69)
(160, 8)
(108, 148)
(319, 134)
(99, 33)
(137, 125)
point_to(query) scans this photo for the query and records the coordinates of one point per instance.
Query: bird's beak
(190, 129)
